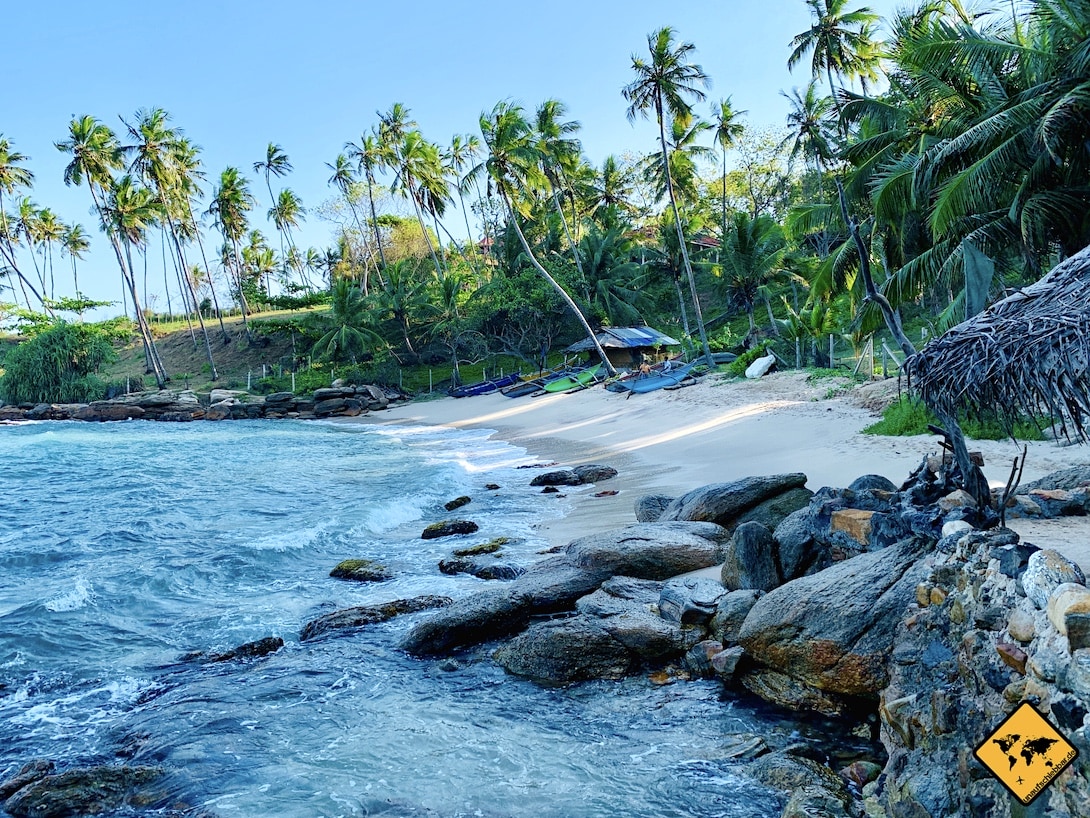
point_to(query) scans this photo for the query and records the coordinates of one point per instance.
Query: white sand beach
(671, 442)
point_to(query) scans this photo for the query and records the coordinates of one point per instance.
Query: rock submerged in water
(448, 528)
(457, 503)
(493, 546)
(480, 568)
(84, 791)
(357, 617)
(360, 570)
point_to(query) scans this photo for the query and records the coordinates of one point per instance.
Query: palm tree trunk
(184, 273)
(423, 228)
(208, 272)
(374, 224)
(469, 231)
(571, 241)
(151, 353)
(556, 286)
(681, 241)
(681, 306)
(242, 305)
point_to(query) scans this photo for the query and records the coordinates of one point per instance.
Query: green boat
(577, 380)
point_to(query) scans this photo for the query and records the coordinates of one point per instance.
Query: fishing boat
(484, 387)
(577, 380)
(652, 381)
(529, 384)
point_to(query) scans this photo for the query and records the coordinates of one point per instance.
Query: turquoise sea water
(125, 546)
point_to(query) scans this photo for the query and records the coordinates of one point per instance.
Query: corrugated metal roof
(626, 338)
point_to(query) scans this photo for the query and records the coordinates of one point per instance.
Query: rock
(550, 490)
(618, 595)
(492, 486)
(1070, 478)
(220, 395)
(1070, 596)
(562, 651)
(744, 747)
(698, 660)
(1077, 677)
(480, 568)
(554, 585)
(82, 791)
(359, 570)
(493, 546)
(957, 499)
(749, 563)
(1045, 571)
(760, 367)
(774, 510)
(103, 410)
(324, 408)
(649, 550)
(730, 613)
(860, 773)
(279, 398)
(565, 477)
(1013, 558)
(1021, 626)
(809, 801)
(448, 528)
(722, 502)
(456, 503)
(833, 630)
(1012, 656)
(649, 507)
(28, 773)
(955, 527)
(784, 691)
(725, 663)
(690, 600)
(478, 618)
(790, 773)
(332, 393)
(1069, 712)
(361, 616)
(872, 482)
(796, 549)
(376, 398)
(218, 411)
(593, 473)
(854, 522)
(251, 650)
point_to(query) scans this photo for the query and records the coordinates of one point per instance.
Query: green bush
(908, 416)
(57, 366)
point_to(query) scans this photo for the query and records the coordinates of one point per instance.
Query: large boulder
(561, 651)
(730, 612)
(750, 562)
(83, 791)
(1047, 570)
(690, 600)
(650, 550)
(563, 477)
(480, 567)
(649, 507)
(105, 410)
(359, 616)
(481, 617)
(448, 528)
(774, 510)
(594, 473)
(722, 503)
(797, 552)
(833, 630)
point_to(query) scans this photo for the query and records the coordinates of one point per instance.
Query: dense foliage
(58, 365)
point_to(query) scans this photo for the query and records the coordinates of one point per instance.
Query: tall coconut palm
(344, 178)
(369, 158)
(418, 174)
(286, 213)
(728, 130)
(514, 166)
(752, 257)
(458, 159)
(685, 152)
(231, 201)
(663, 85)
(75, 245)
(13, 177)
(96, 154)
(50, 232)
(559, 150)
(612, 189)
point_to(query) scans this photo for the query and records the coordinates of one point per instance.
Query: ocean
(125, 547)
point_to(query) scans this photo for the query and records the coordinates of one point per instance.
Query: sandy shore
(715, 431)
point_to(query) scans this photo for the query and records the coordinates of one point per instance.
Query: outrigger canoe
(642, 384)
(484, 387)
(577, 380)
(529, 384)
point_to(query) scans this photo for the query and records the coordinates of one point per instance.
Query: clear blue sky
(237, 74)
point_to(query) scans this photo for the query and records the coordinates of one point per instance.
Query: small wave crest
(387, 515)
(82, 593)
(290, 540)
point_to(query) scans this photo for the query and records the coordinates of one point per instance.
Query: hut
(1026, 355)
(627, 346)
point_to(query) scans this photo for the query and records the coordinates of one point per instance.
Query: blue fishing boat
(484, 387)
(653, 381)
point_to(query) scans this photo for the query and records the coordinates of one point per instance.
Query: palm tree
(663, 85)
(369, 157)
(418, 176)
(343, 179)
(276, 163)
(728, 130)
(514, 165)
(613, 277)
(684, 154)
(404, 294)
(231, 201)
(75, 245)
(287, 212)
(840, 42)
(752, 257)
(13, 177)
(347, 336)
(612, 188)
(559, 150)
(459, 158)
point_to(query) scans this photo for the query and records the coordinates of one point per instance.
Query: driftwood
(1027, 355)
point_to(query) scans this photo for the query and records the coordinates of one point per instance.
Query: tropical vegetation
(915, 147)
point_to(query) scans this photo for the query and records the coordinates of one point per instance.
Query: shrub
(57, 366)
(909, 416)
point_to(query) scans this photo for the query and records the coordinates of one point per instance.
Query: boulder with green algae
(359, 570)
(493, 546)
(457, 502)
(360, 616)
(448, 528)
(83, 791)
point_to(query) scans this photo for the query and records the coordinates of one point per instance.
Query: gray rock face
(722, 502)
(564, 477)
(594, 473)
(480, 567)
(618, 595)
(774, 510)
(103, 410)
(362, 615)
(448, 528)
(1065, 479)
(730, 613)
(872, 482)
(479, 618)
(81, 791)
(649, 551)
(833, 630)
(1046, 570)
(649, 507)
(796, 549)
(690, 600)
(565, 651)
(750, 563)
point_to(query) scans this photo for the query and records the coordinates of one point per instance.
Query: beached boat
(655, 380)
(577, 380)
(484, 387)
(529, 384)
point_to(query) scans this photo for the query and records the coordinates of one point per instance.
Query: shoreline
(672, 442)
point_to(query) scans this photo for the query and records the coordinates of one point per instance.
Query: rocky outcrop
(750, 561)
(350, 619)
(83, 791)
(360, 570)
(448, 528)
(724, 503)
(649, 507)
(480, 567)
(590, 473)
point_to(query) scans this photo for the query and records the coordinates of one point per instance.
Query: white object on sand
(760, 367)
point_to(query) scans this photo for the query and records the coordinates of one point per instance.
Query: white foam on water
(389, 514)
(82, 593)
(82, 708)
(290, 540)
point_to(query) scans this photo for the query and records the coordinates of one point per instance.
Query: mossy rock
(361, 571)
(457, 502)
(449, 528)
(491, 547)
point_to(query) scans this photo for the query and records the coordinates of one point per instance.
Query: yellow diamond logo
(1025, 753)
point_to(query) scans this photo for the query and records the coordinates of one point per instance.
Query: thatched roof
(1026, 355)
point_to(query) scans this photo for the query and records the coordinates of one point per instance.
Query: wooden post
(429, 381)
(832, 361)
(798, 354)
(885, 359)
(870, 347)
(293, 381)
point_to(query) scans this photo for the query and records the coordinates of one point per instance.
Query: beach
(670, 442)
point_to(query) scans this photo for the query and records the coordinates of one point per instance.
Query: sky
(238, 74)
